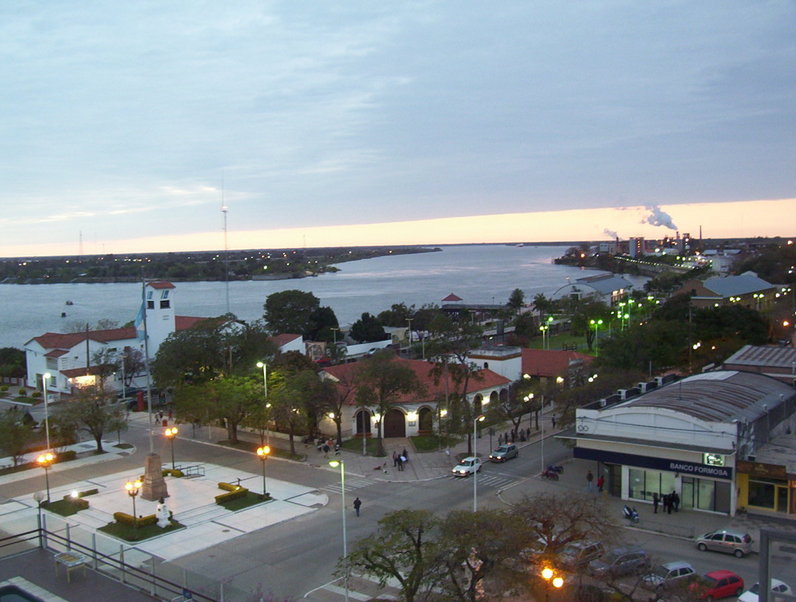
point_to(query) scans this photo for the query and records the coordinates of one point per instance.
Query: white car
(467, 467)
(777, 587)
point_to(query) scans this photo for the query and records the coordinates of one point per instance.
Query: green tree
(323, 323)
(403, 549)
(15, 436)
(94, 412)
(290, 311)
(516, 300)
(291, 394)
(381, 381)
(397, 315)
(12, 362)
(367, 329)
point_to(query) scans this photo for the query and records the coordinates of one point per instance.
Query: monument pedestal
(154, 486)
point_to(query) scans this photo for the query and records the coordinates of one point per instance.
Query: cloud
(658, 217)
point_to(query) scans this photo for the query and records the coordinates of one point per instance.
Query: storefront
(687, 438)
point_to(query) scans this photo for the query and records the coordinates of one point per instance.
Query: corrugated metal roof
(745, 283)
(720, 396)
(763, 356)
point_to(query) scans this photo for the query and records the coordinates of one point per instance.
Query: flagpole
(146, 366)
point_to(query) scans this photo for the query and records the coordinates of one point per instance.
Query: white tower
(160, 317)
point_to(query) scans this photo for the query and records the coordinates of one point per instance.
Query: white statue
(163, 514)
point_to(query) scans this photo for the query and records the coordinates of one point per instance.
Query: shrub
(66, 456)
(129, 519)
(173, 472)
(81, 504)
(228, 486)
(36, 394)
(231, 495)
(23, 392)
(4, 388)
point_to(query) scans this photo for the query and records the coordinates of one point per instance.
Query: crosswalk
(488, 480)
(350, 484)
(359, 588)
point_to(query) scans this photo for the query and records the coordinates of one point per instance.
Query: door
(782, 499)
(394, 424)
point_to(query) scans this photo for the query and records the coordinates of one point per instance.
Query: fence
(121, 562)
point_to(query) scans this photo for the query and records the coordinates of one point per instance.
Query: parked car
(620, 561)
(724, 540)
(467, 467)
(580, 553)
(504, 452)
(667, 575)
(777, 587)
(717, 584)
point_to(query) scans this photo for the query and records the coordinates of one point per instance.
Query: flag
(140, 329)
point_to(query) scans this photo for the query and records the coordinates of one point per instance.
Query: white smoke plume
(658, 217)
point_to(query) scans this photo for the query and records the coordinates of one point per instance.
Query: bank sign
(678, 466)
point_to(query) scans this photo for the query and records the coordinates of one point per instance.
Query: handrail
(105, 559)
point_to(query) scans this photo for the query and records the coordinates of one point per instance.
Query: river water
(476, 273)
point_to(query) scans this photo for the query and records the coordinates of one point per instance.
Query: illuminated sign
(713, 459)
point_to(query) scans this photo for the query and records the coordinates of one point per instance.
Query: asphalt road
(289, 559)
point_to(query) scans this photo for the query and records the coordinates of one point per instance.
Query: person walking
(600, 483)
(589, 479)
(394, 459)
(676, 501)
(357, 505)
(404, 456)
(553, 420)
(655, 501)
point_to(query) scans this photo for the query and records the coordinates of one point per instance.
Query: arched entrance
(478, 405)
(425, 421)
(363, 422)
(394, 424)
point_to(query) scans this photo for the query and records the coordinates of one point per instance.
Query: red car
(718, 584)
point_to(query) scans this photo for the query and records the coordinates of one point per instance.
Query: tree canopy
(367, 329)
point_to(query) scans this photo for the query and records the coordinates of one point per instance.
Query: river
(476, 273)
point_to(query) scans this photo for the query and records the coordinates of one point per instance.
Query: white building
(607, 288)
(69, 357)
(686, 437)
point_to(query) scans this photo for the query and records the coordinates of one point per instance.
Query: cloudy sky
(126, 123)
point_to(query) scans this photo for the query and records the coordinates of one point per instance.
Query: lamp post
(264, 366)
(39, 498)
(171, 434)
(476, 420)
(341, 464)
(262, 453)
(133, 487)
(45, 460)
(596, 325)
(551, 578)
(44, 378)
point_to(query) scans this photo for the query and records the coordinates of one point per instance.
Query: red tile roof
(452, 297)
(422, 369)
(284, 339)
(550, 362)
(185, 322)
(159, 284)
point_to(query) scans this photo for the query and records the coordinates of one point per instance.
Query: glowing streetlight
(476, 420)
(44, 380)
(263, 453)
(551, 577)
(341, 464)
(45, 460)
(596, 325)
(264, 366)
(133, 487)
(171, 434)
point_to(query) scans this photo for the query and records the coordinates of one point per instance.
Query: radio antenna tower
(226, 249)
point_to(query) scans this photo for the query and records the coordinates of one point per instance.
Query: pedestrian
(500, 439)
(394, 459)
(600, 483)
(401, 463)
(553, 420)
(512, 436)
(357, 505)
(528, 432)
(676, 501)
(589, 479)
(405, 455)
(667, 504)
(655, 501)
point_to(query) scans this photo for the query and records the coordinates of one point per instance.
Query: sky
(126, 127)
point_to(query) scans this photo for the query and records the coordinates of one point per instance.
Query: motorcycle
(630, 514)
(549, 474)
(557, 468)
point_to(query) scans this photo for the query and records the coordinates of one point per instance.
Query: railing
(195, 470)
(123, 563)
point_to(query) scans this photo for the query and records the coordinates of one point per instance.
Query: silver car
(730, 542)
(667, 575)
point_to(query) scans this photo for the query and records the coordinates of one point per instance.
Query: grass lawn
(562, 341)
(250, 499)
(62, 507)
(132, 533)
(371, 446)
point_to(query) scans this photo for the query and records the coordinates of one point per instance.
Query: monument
(154, 486)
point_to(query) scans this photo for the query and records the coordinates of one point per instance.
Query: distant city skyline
(129, 126)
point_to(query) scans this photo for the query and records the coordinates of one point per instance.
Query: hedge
(233, 493)
(129, 519)
(76, 501)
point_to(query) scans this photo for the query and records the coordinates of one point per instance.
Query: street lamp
(44, 378)
(133, 487)
(264, 366)
(596, 325)
(341, 464)
(171, 433)
(550, 577)
(39, 498)
(45, 460)
(476, 420)
(262, 453)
